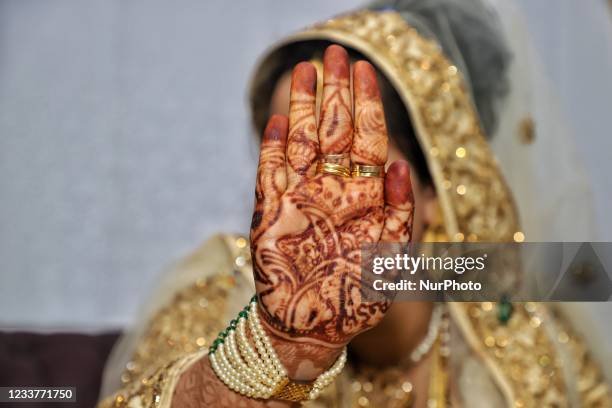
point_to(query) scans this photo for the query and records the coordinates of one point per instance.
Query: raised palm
(308, 229)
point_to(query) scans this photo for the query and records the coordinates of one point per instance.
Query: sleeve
(196, 299)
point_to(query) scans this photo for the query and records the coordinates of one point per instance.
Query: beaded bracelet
(257, 372)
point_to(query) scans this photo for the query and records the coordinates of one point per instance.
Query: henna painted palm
(308, 228)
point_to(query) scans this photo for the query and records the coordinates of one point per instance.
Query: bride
(375, 128)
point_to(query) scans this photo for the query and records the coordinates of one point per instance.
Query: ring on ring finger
(363, 170)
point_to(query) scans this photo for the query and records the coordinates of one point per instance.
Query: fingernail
(398, 187)
(336, 62)
(276, 129)
(364, 76)
(304, 78)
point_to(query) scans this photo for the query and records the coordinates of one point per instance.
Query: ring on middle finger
(333, 169)
(337, 164)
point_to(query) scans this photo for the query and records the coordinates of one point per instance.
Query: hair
(401, 131)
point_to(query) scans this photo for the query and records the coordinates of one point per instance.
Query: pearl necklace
(432, 334)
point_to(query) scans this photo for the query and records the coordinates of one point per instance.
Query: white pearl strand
(254, 376)
(252, 357)
(263, 345)
(257, 373)
(329, 376)
(432, 334)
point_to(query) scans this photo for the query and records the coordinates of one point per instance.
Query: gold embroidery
(523, 351)
(593, 391)
(186, 325)
(154, 390)
(146, 392)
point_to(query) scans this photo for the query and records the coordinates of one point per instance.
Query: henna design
(370, 143)
(302, 144)
(271, 174)
(308, 277)
(336, 121)
(399, 198)
(398, 225)
(199, 387)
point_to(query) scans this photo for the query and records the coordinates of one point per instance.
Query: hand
(308, 228)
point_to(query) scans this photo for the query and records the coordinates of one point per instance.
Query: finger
(303, 145)
(399, 204)
(336, 120)
(370, 140)
(271, 173)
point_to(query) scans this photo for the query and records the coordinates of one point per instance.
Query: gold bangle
(292, 391)
(333, 169)
(363, 170)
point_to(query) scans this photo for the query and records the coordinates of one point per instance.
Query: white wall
(124, 137)
(575, 40)
(124, 142)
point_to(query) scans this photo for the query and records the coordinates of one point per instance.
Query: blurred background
(125, 139)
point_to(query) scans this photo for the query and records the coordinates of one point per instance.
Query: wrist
(303, 360)
(245, 357)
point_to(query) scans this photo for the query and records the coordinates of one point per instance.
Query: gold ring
(336, 158)
(362, 170)
(334, 169)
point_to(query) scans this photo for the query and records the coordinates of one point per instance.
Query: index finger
(303, 144)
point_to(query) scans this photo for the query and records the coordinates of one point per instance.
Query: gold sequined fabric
(591, 390)
(523, 351)
(184, 326)
(535, 356)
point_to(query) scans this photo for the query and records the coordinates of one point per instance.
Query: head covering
(469, 35)
(457, 67)
(401, 39)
